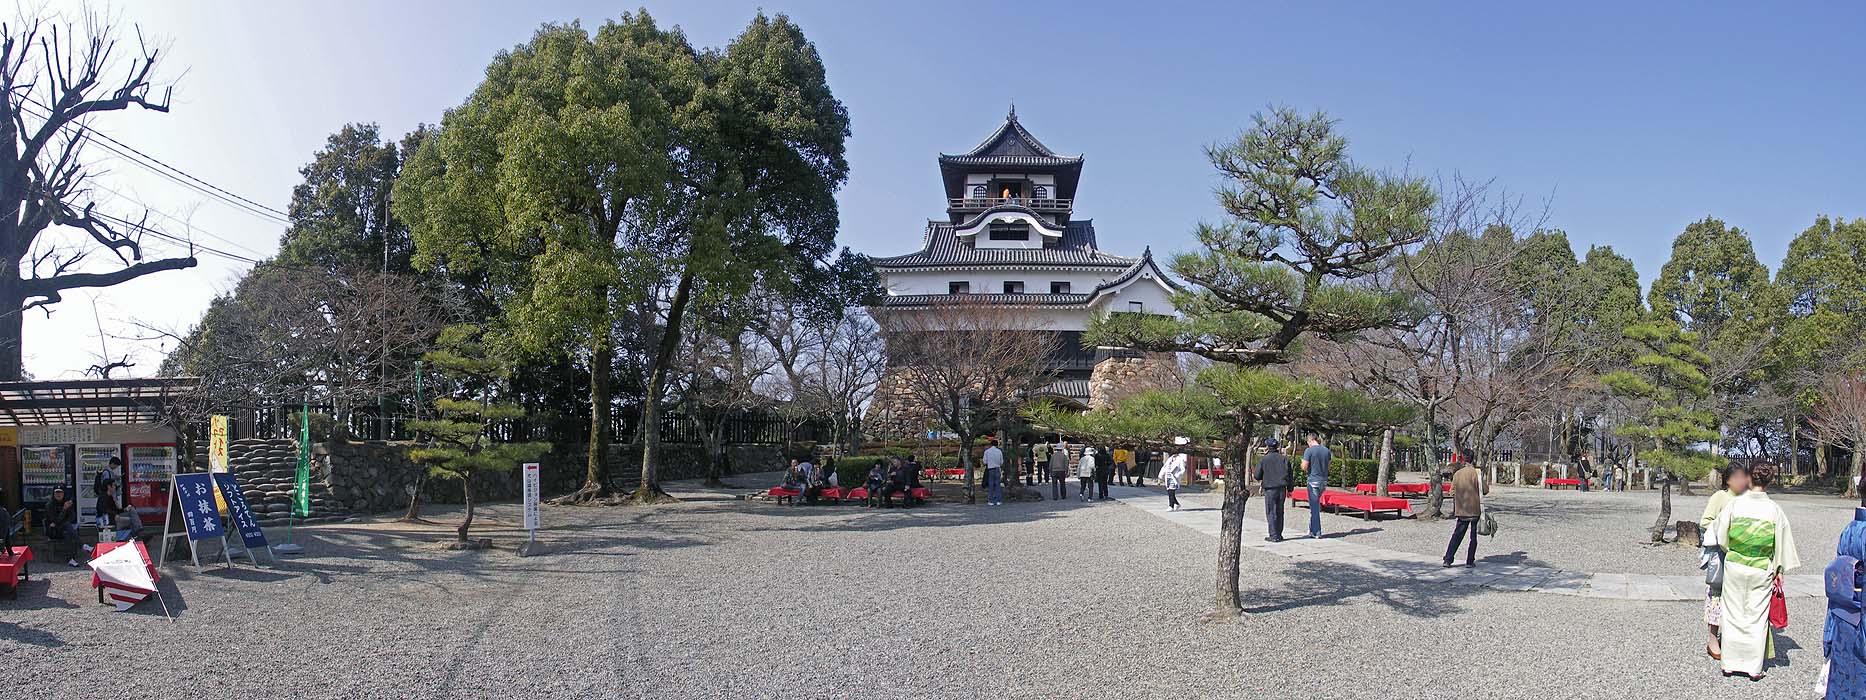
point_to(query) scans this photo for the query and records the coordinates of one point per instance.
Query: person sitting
(61, 522)
(877, 478)
(901, 480)
(124, 523)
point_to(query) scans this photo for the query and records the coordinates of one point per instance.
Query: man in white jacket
(1170, 475)
(1085, 472)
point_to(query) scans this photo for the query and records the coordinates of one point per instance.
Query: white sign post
(531, 509)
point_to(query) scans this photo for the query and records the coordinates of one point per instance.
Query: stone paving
(1426, 568)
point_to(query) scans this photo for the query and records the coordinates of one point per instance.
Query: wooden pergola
(91, 401)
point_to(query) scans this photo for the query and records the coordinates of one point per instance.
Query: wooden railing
(1036, 204)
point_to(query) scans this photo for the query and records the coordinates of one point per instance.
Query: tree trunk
(1859, 469)
(596, 468)
(650, 489)
(1383, 475)
(1665, 510)
(466, 486)
(1231, 540)
(1435, 495)
(12, 325)
(965, 462)
(715, 452)
(1791, 429)
(414, 498)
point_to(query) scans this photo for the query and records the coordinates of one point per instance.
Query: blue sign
(195, 493)
(236, 510)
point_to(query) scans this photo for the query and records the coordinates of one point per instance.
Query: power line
(163, 169)
(191, 226)
(174, 239)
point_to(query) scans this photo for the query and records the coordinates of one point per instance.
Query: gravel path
(722, 598)
(1595, 531)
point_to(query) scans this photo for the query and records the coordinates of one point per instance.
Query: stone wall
(349, 478)
(1128, 373)
(895, 412)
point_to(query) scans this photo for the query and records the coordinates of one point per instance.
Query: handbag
(1713, 570)
(1778, 605)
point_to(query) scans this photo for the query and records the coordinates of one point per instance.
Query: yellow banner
(9, 437)
(217, 444)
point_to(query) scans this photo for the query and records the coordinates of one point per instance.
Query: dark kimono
(1844, 641)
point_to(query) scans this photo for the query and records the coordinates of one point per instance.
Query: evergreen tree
(458, 445)
(1666, 388)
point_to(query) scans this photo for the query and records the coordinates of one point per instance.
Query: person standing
(994, 474)
(1171, 474)
(1735, 482)
(1843, 639)
(1758, 546)
(1124, 466)
(1104, 472)
(1039, 462)
(1059, 470)
(1583, 470)
(1468, 490)
(1085, 472)
(1143, 460)
(1273, 472)
(1315, 461)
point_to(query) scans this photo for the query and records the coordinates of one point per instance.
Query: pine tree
(458, 446)
(1666, 387)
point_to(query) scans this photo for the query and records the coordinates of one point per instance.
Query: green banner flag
(301, 486)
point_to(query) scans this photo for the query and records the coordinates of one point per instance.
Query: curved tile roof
(942, 247)
(1002, 208)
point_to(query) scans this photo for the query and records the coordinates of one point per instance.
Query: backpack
(105, 477)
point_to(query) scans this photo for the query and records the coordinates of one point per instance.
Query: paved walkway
(1426, 567)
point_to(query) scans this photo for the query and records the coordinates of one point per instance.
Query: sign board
(9, 437)
(250, 533)
(195, 493)
(57, 434)
(531, 495)
(191, 499)
(217, 444)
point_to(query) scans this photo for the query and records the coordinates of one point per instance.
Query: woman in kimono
(1844, 642)
(1758, 546)
(1735, 482)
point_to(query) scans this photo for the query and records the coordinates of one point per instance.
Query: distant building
(1010, 236)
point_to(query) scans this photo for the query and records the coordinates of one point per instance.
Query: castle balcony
(975, 204)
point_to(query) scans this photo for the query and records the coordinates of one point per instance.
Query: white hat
(1088, 450)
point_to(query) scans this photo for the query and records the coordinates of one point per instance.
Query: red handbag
(1778, 605)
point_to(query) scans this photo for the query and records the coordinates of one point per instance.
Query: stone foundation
(354, 478)
(1129, 373)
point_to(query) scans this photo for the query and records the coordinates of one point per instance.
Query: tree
(458, 445)
(57, 79)
(592, 177)
(340, 214)
(1666, 388)
(966, 363)
(841, 372)
(1305, 226)
(1840, 418)
(1715, 289)
(1823, 277)
(726, 362)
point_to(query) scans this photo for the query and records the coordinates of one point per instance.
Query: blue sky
(1628, 120)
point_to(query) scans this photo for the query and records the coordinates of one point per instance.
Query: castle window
(1010, 232)
(1039, 192)
(978, 191)
(1137, 307)
(1013, 287)
(958, 287)
(1059, 287)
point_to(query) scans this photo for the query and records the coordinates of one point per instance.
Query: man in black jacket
(1273, 472)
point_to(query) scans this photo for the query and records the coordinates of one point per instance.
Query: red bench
(781, 494)
(835, 493)
(1401, 489)
(1552, 483)
(14, 568)
(1367, 506)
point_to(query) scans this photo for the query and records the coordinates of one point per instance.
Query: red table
(104, 548)
(1402, 489)
(1367, 505)
(14, 568)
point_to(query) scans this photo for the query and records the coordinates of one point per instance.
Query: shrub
(941, 462)
(1533, 473)
(853, 471)
(1346, 472)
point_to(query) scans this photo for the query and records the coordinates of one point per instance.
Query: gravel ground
(720, 598)
(1597, 531)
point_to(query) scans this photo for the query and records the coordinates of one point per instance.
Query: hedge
(1346, 472)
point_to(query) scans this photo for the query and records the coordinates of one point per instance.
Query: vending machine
(91, 460)
(150, 467)
(44, 468)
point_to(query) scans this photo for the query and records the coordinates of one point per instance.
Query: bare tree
(967, 363)
(1839, 419)
(56, 77)
(842, 371)
(724, 366)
